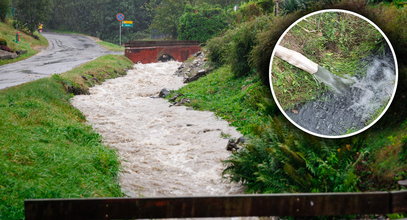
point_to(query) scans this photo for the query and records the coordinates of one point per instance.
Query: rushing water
(164, 151)
(355, 106)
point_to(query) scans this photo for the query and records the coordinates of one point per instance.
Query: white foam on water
(164, 151)
(375, 89)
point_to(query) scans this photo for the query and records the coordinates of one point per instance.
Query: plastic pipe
(296, 59)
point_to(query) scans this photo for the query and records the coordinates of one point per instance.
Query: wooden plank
(399, 201)
(304, 204)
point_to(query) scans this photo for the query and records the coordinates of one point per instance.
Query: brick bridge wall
(150, 51)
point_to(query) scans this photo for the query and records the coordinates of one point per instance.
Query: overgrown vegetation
(201, 23)
(47, 150)
(280, 157)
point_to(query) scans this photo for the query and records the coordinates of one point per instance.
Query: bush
(283, 159)
(266, 40)
(201, 23)
(248, 11)
(235, 45)
(217, 49)
(242, 43)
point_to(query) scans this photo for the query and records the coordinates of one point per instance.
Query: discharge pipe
(339, 84)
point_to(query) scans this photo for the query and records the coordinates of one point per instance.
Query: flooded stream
(338, 114)
(164, 151)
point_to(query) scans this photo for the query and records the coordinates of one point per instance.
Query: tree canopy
(33, 12)
(201, 23)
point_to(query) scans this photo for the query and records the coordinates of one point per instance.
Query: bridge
(153, 51)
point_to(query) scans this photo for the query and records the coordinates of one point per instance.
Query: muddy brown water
(164, 151)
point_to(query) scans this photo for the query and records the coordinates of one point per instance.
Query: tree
(4, 8)
(166, 17)
(31, 13)
(97, 17)
(201, 23)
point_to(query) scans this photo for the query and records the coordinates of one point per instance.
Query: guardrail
(302, 204)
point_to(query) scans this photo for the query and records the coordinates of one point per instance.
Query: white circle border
(367, 126)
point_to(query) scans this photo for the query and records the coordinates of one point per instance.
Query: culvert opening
(165, 58)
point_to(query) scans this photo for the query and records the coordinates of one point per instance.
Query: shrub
(201, 23)
(242, 43)
(218, 48)
(235, 45)
(248, 11)
(283, 159)
(266, 40)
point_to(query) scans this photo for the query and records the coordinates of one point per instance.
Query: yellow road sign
(127, 22)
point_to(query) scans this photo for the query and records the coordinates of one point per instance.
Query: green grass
(336, 41)
(28, 43)
(46, 149)
(110, 46)
(280, 157)
(293, 85)
(89, 74)
(241, 101)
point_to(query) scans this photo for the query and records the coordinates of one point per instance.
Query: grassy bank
(110, 46)
(281, 158)
(28, 43)
(78, 80)
(47, 151)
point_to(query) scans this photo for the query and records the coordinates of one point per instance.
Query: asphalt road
(65, 51)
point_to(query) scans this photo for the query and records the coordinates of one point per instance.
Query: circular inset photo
(333, 73)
